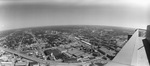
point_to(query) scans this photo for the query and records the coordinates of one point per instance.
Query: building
(75, 52)
(33, 63)
(21, 64)
(136, 52)
(6, 64)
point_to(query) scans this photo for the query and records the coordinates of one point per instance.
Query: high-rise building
(135, 52)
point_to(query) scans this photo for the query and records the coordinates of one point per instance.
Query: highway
(51, 63)
(28, 57)
(47, 62)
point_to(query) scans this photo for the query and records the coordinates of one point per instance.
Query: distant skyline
(21, 14)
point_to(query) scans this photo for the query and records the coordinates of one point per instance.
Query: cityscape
(74, 33)
(91, 45)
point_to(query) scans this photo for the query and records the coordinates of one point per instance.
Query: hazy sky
(19, 14)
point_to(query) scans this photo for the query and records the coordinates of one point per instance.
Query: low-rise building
(21, 64)
(32, 64)
(4, 58)
(6, 64)
(104, 50)
(75, 52)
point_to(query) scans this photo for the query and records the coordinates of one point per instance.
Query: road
(38, 43)
(28, 57)
(48, 62)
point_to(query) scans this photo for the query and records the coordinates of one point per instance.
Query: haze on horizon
(24, 13)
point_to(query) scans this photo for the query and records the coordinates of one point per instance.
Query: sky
(31, 13)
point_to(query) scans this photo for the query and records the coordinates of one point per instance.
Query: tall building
(135, 52)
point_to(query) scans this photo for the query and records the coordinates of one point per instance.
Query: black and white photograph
(74, 33)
